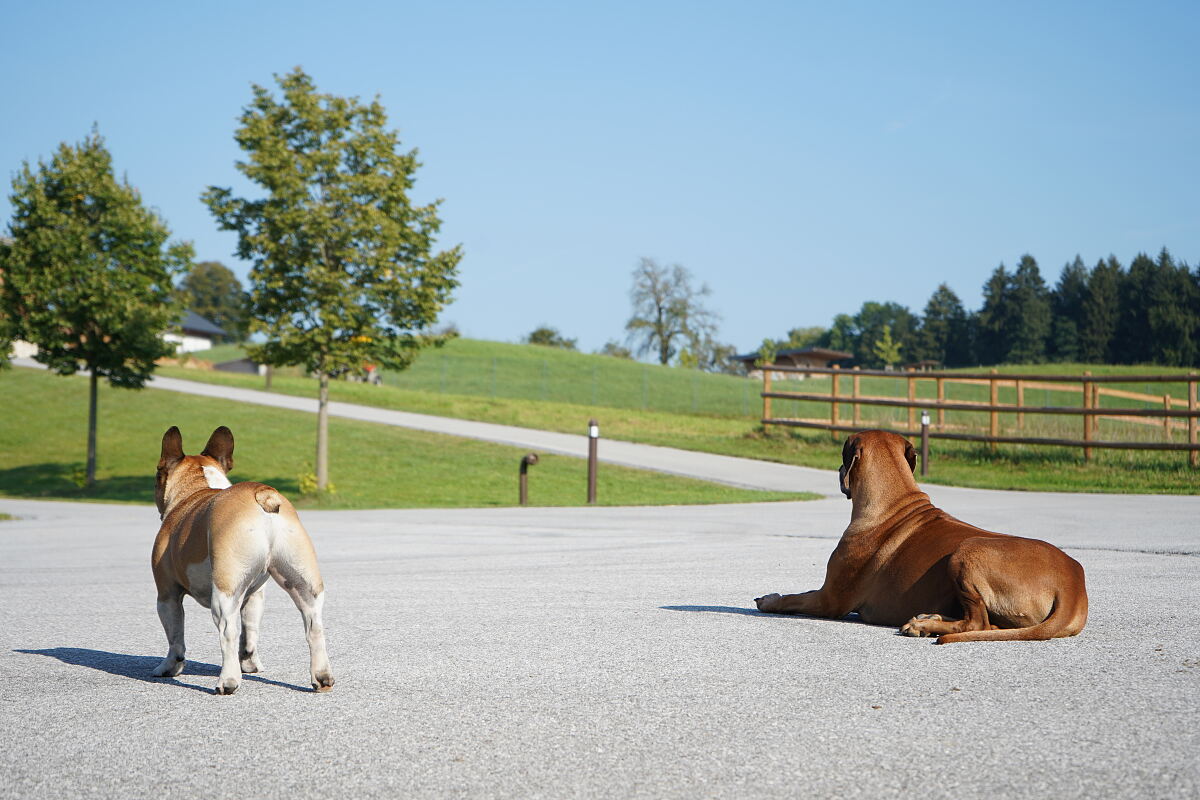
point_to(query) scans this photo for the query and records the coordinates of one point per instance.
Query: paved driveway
(598, 652)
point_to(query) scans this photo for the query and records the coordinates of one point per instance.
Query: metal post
(924, 443)
(593, 441)
(523, 483)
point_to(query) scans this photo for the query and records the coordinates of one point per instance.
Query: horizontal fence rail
(1166, 412)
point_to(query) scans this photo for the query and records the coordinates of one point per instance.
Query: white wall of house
(188, 344)
(23, 349)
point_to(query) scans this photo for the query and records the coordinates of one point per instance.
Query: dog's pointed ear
(220, 448)
(172, 447)
(910, 455)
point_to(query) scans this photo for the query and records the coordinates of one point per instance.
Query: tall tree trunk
(91, 445)
(323, 433)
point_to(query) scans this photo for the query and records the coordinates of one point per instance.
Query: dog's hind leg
(227, 614)
(170, 612)
(308, 593)
(252, 611)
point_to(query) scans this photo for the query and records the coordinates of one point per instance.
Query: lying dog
(902, 561)
(218, 543)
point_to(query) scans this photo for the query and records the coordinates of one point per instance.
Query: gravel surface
(598, 652)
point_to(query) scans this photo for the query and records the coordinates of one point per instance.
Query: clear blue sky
(799, 158)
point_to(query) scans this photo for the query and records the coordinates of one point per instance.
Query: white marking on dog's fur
(216, 479)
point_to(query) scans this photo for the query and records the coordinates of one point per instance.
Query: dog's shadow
(754, 612)
(140, 667)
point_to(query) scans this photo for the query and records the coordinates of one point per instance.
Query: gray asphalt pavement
(598, 652)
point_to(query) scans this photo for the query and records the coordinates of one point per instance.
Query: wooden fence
(1169, 414)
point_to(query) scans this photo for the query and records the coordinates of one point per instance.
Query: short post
(924, 443)
(833, 404)
(1193, 455)
(1167, 417)
(1087, 418)
(593, 442)
(523, 489)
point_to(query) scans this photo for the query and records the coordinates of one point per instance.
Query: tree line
(1146, 313)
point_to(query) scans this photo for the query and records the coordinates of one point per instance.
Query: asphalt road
(598, 652)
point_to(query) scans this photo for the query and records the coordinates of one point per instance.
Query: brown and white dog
(218, 543)
(902, 561)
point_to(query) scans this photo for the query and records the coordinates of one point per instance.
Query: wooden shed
(796, 357)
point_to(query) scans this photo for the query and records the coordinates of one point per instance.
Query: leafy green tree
(869, 323)
(6, 322)
(668, 311)
(616, 350)
(842, 334)
(1066, 302)
(550, 337)
(89, 274)
(886, 351)
(344, 274)
(1101, 312)
(214, 292)
(943, 334)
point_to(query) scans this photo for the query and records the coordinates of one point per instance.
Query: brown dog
(218, 543)
(902, 561)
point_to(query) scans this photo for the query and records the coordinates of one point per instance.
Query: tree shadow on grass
(140, 667)
(57, 481)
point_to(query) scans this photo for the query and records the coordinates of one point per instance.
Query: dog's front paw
(921, 625)
(768, 603)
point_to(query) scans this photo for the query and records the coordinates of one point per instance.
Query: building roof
(194, 323)
(816, 352)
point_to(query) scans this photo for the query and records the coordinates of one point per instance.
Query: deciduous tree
(214, 292)
(89, 274)
(344, 269)
(668, 311)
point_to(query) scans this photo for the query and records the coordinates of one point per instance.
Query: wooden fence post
(1087, 419)
(912, 399)
(995, 420)
(1097, 394)
(941, 394)
(1020, 404)
(766, 391)
(855, 395)
(1193, 455)
(1166, 418)
(833, 405)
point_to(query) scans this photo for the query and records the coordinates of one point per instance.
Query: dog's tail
(1067, 617)
(269, 499)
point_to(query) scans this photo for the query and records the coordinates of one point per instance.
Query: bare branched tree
(667, 311)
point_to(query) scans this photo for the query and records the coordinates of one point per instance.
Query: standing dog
(218, 543)
(902, 561)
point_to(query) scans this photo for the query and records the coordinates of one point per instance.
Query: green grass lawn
(43, 428)
(952, 463)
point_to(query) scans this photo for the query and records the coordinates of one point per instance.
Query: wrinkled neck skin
(890, 489)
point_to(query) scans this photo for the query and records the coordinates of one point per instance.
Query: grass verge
(43, 424)
(952, 463)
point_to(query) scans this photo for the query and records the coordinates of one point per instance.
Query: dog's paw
(917, 626)
(768, 602)
(322, 682)
(169, 668)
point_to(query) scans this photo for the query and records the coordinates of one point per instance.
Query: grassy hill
(550, 389)
(43, 425)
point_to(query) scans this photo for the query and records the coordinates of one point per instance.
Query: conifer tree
(1101, 312)
(1067, 310)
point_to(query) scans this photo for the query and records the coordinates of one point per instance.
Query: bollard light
(523, 482)
(593, 441)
